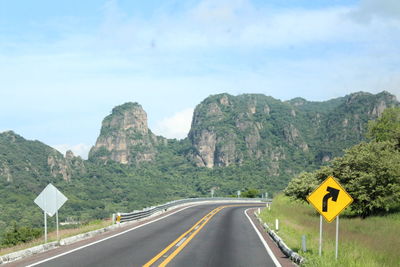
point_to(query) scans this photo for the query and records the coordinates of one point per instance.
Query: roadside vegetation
(366, 242)
(369, 171)
(369, 228)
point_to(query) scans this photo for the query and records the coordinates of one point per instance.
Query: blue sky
(65, 64)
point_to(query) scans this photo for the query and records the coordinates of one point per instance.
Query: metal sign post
(337, 237)
(320, 235)
(50, 201)
(45, 222)
(58, 235)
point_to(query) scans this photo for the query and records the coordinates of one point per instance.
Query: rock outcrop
(125, 137)
(21, 158)
(231, 129)
(228, 130)
(286, 137)
(67, 166)
(5, 172)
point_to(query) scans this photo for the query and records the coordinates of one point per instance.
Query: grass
(373, 241)
(64, 233)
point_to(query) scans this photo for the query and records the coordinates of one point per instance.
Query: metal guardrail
(281, 244)
(146, 212)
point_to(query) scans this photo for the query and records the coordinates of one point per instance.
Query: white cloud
(79, 149)
(207, 47)
(373, 9)
(211, 24)
(176, 126)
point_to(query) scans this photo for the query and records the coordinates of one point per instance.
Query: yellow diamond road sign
(330, 199)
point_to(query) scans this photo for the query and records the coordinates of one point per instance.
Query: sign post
(320, 236)
(337, 237)
(50, 200)
(45, 222)
(329, 199)
(58, 235)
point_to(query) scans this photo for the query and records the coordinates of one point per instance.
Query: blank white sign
(50, 200)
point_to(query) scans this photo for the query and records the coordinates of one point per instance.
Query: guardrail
(281, 244)
(146, 212)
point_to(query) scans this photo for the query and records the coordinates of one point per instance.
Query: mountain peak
(125, 107)
(125, 136)
(127, 116)
(298, 101)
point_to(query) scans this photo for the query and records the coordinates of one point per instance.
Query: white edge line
(104, 239)
(271, 254)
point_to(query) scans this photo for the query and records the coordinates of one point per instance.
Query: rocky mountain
(125, 137)
(230, 129)
(24, 159)
(286, 136)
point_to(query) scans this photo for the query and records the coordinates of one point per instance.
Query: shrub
(20, 235)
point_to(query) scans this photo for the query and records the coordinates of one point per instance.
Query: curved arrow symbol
(333, 193)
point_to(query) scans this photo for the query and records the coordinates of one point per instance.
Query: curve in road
(203, 235)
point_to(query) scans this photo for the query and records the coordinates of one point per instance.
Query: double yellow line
(193, 230)
(185, 238)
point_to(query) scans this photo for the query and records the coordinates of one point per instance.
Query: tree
(251, 193)
(370, 172)
(306, 182)
(301, 186)
(387, 127)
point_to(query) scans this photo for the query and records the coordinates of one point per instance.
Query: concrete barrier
(27, 252)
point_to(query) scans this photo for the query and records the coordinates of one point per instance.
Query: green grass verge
(373, 241)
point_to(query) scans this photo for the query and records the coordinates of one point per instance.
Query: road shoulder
(282, 258)
(26, 261)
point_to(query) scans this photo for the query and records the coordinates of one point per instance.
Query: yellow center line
(203, 221)
(182, 246)
(159, 255)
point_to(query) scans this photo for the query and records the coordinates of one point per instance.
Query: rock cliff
(229, 129)
(125, 137)
(285, 136)
(67, 166)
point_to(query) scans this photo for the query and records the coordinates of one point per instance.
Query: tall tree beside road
(370, 172)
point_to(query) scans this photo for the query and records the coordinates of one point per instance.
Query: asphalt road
(223, 237)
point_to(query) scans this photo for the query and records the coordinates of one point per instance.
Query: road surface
(203, 235)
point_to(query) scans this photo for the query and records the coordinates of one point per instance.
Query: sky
(65, 64)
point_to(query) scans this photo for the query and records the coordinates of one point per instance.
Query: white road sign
(50, 200)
